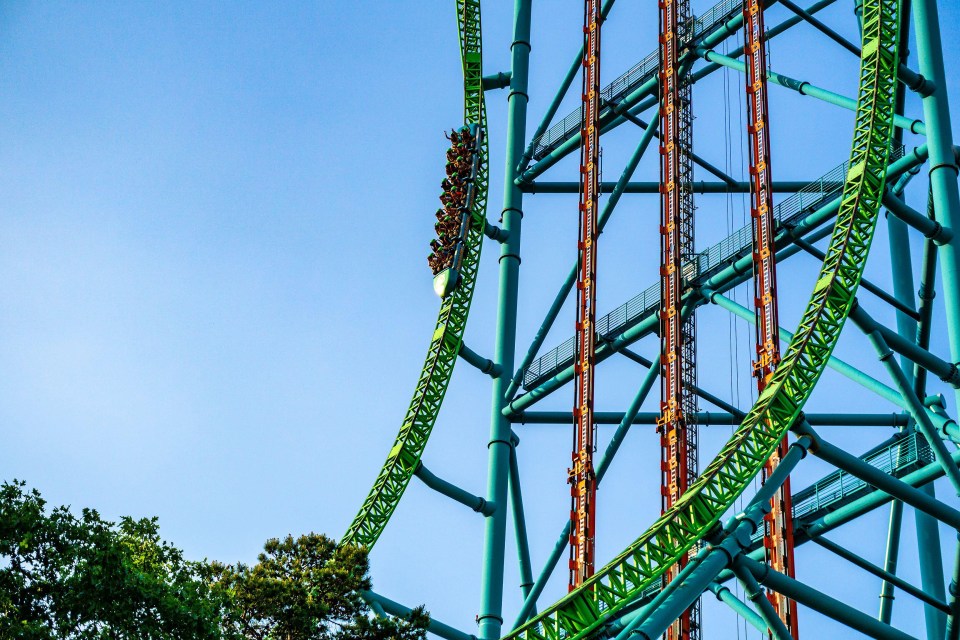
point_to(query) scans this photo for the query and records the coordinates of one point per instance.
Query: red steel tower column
(778, 526)
(582, 478)
(678, 366)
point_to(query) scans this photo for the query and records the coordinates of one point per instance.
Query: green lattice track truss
(451, 322)
(617, 589)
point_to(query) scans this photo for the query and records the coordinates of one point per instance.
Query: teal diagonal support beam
(396, 609)
(805, 88)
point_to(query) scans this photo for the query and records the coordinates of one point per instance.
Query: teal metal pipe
(926, 294)
(739, 607)
(873, 569)
(942, 425)
(712, 418)
(485, 365)
(821, 602)
(700, 392)
(928, 227)
(943, 162)
(396, 609)
(890, 559)
(781, 186)
(806, 89)
(498, 80)
(530, 604)
(756, 595)
(914, 405)
(567, 285)
(490, 617)
(873, 476)
(946, 371)
(931, 565)
(627, 419)
(953, 619)
(823, 28)
(853, 510)
(893, 301)
(454, 492)
(520, 525)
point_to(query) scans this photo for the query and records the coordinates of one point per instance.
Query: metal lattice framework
(690, 548)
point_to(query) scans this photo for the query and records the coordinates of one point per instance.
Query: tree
(69, 577)
(309, 589)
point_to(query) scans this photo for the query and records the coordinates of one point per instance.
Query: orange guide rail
(678, 367)
(582, 478)
(778, 529)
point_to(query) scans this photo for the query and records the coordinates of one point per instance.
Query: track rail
(451, 321)
(660, 547)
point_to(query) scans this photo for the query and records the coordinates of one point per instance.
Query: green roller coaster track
(778, 407)
(451, 321)
(674, 534)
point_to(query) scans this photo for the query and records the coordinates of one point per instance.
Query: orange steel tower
(778, 528)
(678, 367)
(582, 478)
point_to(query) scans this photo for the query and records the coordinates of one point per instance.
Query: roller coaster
(738, 519)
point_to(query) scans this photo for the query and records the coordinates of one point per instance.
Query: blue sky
(216, 301)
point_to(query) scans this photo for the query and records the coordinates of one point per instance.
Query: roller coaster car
(446, 281)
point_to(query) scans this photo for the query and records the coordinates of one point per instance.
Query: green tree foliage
(68, 577)
(308, 589)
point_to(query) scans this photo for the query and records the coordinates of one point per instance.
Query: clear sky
(215, 219)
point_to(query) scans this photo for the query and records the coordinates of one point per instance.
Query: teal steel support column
(946, 206)
(572, 275)
(396, 609)
(914, 404)
(943, 162)
(756, 595)
(490, 618)
(530, 604)
(739, 607)
(625, 422)
(890, 559)
(520, 525)
(953, 619)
